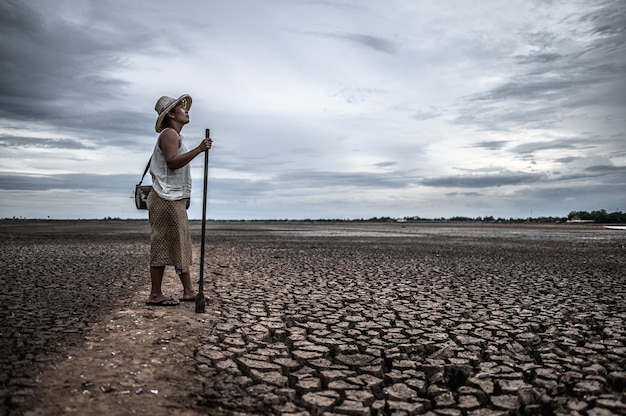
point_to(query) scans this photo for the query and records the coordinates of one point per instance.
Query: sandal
(163, 302)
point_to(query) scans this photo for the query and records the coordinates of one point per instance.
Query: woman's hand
(205, 145)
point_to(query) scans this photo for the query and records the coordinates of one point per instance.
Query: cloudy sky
(318, 108)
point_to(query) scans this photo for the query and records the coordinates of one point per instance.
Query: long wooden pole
(200, 299)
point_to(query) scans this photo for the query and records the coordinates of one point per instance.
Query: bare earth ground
(311, 319)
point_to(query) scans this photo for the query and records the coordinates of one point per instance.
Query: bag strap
(145, 171)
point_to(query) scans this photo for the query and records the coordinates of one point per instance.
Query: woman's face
(181, 114)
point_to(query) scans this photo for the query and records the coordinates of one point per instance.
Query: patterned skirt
(170, 240)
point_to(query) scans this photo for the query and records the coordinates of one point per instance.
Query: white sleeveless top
(169, 184)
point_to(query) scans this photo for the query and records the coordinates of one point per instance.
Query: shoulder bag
(142, 191)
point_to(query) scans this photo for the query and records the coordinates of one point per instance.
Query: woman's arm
(170, 142)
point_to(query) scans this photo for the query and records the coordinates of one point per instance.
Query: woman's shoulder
(169, 132)
(169, 135)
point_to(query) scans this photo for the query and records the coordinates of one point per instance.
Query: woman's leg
(156, 294)
(189, 292)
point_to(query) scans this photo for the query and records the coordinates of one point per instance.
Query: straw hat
(167, 104)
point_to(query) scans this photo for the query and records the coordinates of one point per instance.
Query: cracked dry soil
(312, 319)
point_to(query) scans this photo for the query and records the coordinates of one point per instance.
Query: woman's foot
(161, 300)
(188, 296)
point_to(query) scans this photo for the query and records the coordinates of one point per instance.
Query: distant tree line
(489, 218)
(600, 216)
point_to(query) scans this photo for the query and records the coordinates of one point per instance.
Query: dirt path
(138, 360)
(77, 337)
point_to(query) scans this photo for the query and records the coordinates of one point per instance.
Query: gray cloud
(68, 181)
(562, 144)
(559, 197)
(325, 179)
(376, 43)
(483, 180)
(567, 159)
(491, 144)
(43, 60)
(539, 58)
(57, 70)
(427, 114)
(464, 194)
(566, 71)
(607, 169)
(36, 142)
(385, 164)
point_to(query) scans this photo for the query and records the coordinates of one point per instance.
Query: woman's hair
(166, 120)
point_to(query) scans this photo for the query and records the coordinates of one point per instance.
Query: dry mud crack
(310, 320)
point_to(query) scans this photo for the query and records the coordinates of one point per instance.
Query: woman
(170, 239)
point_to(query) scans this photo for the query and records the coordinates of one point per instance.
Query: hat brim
(185, 99)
